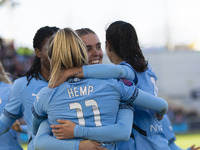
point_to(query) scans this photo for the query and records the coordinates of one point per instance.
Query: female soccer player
(90, 102)
(9, 140)
(95, 55)
(122, 45)
(25, 89)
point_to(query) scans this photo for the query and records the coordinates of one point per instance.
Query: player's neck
(45, 73)
(117, 60)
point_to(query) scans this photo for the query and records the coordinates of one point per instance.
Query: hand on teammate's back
(90, 145)
(64, 130)
(16, 126)
(193, 147)
(159, 117)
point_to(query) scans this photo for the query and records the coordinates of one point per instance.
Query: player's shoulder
(149, 69)
(147, 73)
(46, 94)
(99, 81)
(5, 88)
(21, 81)
(46, 89)
(4, 85)
(19, 84)
(109, 81)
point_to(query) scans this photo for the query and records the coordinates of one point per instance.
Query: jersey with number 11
(89, 102)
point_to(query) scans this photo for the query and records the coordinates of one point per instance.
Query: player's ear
(37, 52)
(108, 46)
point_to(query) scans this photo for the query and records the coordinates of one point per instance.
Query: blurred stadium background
(178, 82)
(175, 59)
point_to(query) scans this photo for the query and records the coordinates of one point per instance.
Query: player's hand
(159, 117)
(65, 130)
(16, 126)
(90, 145)
(193, 147)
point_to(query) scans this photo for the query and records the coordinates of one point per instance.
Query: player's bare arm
(66, 74)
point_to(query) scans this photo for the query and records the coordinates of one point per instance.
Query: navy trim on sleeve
(36, 115)
(125, 106)
(9, 115)
(134, 96)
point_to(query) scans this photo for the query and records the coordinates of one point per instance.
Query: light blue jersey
(20, 103)
(120, 131)
(148, 131)
(168, 129)
(91, 102)
(151, 126)
(147, 128)
(8, 141)
(160, 133)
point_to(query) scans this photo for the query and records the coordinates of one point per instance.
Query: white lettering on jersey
(79, 111)
(76, 92)
(96, 111)
(90, 89)
(155, 87)
(171, 128)
(83, 91)
(79, 91)
(70, 93)
(156, 128)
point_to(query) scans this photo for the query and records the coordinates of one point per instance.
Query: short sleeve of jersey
(14, 107)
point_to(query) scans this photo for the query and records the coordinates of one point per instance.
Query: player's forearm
(5, 124)
(145, 100)
(45, 140)
(75, 72)
(111, 133)
(108, 71)
(35, 124)
(48, 142)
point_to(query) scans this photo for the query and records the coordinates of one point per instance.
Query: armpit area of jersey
(36, 115)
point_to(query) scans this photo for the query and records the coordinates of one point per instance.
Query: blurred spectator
(183, 120)
(15, 61)
(180, 123)
(195, 94)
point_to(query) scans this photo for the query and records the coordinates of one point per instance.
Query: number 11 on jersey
(79, 111)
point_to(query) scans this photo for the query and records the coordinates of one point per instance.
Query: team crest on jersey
(126, 82)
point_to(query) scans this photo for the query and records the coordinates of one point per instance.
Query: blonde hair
(3, 75)
(66, 51)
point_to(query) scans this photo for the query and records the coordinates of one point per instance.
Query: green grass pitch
(183, 140)
(186, 140)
